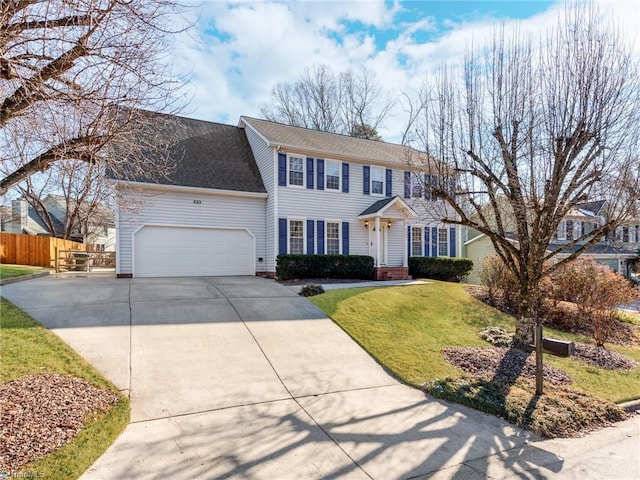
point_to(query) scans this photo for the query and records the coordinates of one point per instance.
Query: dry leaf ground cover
(57, 414)
(408, 329)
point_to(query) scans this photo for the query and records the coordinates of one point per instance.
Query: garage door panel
(183, 251)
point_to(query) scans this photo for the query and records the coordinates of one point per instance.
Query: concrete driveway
(238, 377)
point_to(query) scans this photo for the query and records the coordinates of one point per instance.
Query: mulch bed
(40, 413)
(603, 357)
(506, 363)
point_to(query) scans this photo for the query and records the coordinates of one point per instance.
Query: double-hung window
(296, 171)
(416, 186)
(377, 181)
(332, 175)
(416, 242)
(562, 230)
(296, 236)
(443, 242)
(333, 238)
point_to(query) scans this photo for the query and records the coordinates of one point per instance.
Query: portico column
(377, 227)
(405, 236)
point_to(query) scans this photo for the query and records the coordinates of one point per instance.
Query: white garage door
(183, 252)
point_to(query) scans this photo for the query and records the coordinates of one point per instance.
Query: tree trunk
(527, 316)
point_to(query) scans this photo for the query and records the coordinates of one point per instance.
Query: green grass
(30, 349)
(12, 271)
(405, 328)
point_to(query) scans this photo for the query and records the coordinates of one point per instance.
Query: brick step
(392, 273)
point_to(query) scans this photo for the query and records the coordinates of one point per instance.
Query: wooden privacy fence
(31, 250)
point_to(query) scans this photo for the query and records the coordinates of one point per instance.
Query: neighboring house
(618, 251)
(241, 195)
(98, 231)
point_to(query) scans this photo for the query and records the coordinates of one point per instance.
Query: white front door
(374, 238)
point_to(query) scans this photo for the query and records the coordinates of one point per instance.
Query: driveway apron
(238, 377)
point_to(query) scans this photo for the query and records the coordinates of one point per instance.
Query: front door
(374, 238)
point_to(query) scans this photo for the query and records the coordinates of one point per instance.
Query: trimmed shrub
(442, 268)
(324, 266)
(311, 289)
(499, 281)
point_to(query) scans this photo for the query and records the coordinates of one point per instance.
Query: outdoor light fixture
(366, 223)
(389, 224)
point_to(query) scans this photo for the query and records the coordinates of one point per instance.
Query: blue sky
(239, 50)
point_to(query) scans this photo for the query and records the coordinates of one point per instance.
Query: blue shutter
(345, 238)
(452, 188)
(366, 179)
(282, 235)
(434, 241)
(427, 186)
(320, 182)
(409, 241)
(282, 169)
(427, 242)
(407, 184)
(310, 173)
(320, 234)
(452, 241)
(345, 177)
(310, 237)
(389, 175)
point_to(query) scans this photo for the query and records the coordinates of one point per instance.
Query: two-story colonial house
(240, 195)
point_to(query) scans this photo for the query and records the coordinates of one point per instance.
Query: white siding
(181, 208)
(264, 156)
(326, 204)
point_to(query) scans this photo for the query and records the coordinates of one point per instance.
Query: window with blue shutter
(427, 186)
(366, 179)
(310, 237)
(320, 182)
(389, 178)
(407, 184)
(452, 241)
(310, 173)
(434, 241)
(282, 235)
(427, 243)
(345, 177)
(345, 238)
(282, 169)
(320, 234)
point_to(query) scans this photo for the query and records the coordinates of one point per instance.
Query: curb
(630, 407)
(7, 281)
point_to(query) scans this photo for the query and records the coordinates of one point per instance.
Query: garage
(179, 251)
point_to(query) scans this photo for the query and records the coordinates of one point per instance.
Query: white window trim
(420, 185)
(446, 252)
(304, 234)
(304, 170)
(561, 232)
(384, 181)
(421, 228)
(326, 236)
(326, 169)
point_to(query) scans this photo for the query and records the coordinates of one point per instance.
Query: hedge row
(441, 268)
(324, 266)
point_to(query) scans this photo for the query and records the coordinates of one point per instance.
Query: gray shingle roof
(206, 155)
(333, 144)
(377, 206)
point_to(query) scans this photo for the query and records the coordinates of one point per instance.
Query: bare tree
(348, 103)
(73, 76)
(71, 200)
(531, 130)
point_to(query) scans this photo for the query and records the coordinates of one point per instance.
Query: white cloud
(240, 50)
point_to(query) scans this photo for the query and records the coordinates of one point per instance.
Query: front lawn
(12, 271)
(405, 328)
(30, 349)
